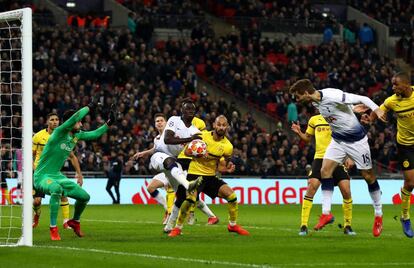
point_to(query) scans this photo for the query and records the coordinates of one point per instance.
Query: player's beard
(220, 133)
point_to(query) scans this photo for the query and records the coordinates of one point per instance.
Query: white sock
(376, 202)
(232, 223)
(326, 201)
(161, 200)
(205, 209)
(174, 215)
(180, 176)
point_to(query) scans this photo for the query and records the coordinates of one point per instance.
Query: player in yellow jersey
(39, 141)
(320, 129)
(402, 104)
(219, 152)
(160, 180)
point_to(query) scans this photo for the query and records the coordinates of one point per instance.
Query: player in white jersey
(349, 139)
(160, 180)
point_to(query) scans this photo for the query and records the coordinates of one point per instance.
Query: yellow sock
(306, 209)
(7, 195)
(65, 209)
(185, 208)
(347, 210)
(170, 198)
(233, 208)
(405, 203)
(192, 208)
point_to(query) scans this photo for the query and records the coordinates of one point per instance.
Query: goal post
(16, 127)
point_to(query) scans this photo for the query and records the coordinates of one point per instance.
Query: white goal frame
(25, 15)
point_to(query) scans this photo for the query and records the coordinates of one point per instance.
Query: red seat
(160, 44)
(271, 108)
(282, 58)
(229, 12)
(271, 57)
(322, 76)
(200, 69)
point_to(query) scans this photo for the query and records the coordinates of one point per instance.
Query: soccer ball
(196, 148)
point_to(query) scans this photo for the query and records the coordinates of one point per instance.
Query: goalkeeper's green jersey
(61, 143)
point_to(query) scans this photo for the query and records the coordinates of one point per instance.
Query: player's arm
(75, 163)
(303, 136)
(171, 139)
(76, 117)
(355, 99)
(92, 135)
(143, 153)
(225, 165)
(384, 107)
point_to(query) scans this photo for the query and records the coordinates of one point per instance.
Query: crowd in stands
(144, 78)
(178, 14)
(397, 14)
(117, 66)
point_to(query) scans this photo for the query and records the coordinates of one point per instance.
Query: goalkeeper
(48, 178)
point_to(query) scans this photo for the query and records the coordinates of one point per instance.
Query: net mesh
(11, 128)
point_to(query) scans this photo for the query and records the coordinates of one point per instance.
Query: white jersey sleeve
(336, 107)
(339, 96)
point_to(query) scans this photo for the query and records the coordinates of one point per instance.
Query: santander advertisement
(252, 191)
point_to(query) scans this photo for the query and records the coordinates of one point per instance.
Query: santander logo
(143, 197)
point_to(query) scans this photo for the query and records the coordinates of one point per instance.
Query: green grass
(131, 236)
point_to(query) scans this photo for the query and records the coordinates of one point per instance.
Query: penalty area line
(153, 256)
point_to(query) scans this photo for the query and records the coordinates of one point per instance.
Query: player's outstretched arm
(76, 117)
(143, 154)
(92, 135)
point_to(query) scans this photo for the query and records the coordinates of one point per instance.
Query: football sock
(170, 198)
(185, 207)
(233, 208)
(160, 199)
(65, 210)
(180, 176)
(306, 209)
(79, 207)
(37, 209)
(174, 215)
(54, 208)
(205, 209)
(327, 192)
(347, 210)
(375, 193)
(405, 203)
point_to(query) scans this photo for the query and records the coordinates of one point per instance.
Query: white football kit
(163, 151)
(348, 135)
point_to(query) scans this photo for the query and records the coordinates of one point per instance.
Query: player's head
(188, 109)
(221, 125)
(52, 120)
(302, 90)
(401, 82)
(160, 121)
(68, 114)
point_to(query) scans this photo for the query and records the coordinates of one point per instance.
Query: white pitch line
(237, 264)
(152, 256)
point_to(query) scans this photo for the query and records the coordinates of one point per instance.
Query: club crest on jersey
(63, 146)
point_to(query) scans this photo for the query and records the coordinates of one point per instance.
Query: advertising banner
(249, 191)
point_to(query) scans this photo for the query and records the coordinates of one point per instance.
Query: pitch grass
(131, 236)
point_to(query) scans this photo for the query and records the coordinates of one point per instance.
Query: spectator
(366, 35)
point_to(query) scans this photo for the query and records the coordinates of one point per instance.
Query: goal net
(16, 127)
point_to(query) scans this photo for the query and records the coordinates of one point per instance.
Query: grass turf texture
(131, 236)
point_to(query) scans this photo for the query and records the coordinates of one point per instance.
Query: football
(196, 148)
